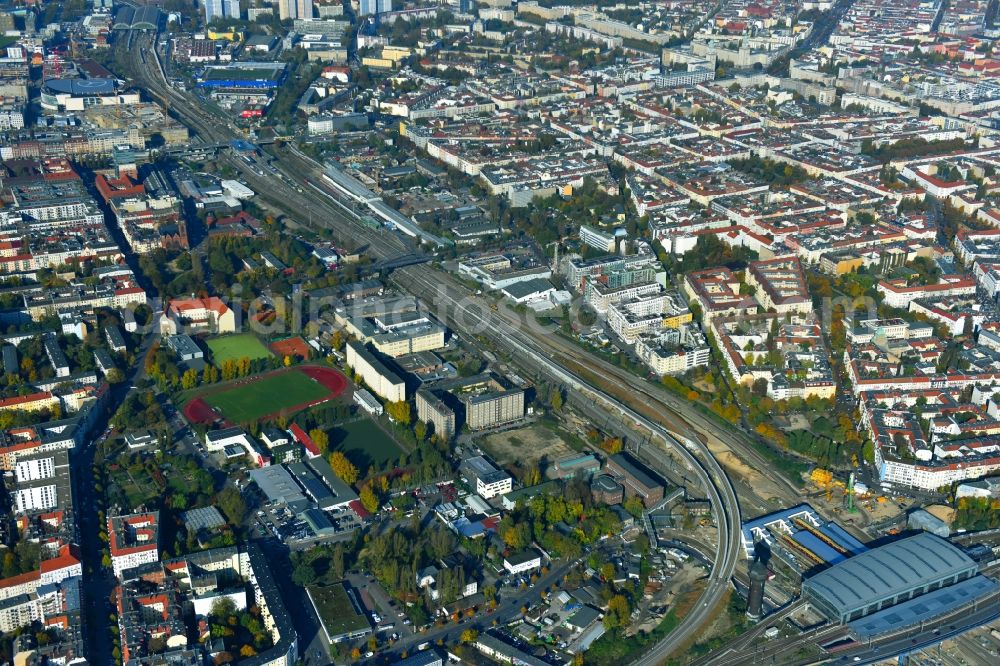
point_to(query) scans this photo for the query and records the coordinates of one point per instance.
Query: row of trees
(909, 148)
(977, 513)
(770, 171)
(161, 365)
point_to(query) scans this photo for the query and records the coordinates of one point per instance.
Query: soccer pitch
(235, 347)
(266, 396)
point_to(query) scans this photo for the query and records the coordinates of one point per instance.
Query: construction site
(855, 503)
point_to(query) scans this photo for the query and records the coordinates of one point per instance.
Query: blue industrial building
(800, 530)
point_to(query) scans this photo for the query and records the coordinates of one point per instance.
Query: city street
(99, 584)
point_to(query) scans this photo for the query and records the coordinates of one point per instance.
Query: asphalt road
(98, 583)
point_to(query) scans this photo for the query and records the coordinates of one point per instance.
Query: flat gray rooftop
(925, 607)
(277, 483)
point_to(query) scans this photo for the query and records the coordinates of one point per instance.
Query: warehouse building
(637, 479)
(279, 487)
(882, 577)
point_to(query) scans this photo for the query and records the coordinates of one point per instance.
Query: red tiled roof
(57, 621)
(24, 399)
(117, 188)
(359, 508)
(21, 579)
(69, 555)
(140, 520)
(304, 439)
(210, 303)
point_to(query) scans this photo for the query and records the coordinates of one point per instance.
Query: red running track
(199, 411)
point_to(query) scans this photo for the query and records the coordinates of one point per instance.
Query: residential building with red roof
(32, 402)
(197, 315)
(17, 443)
(42, 595)
(780, 285)
(928, 179)
(717, 291)
(133, 540)
(897, 293)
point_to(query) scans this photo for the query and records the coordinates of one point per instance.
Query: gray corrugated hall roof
(887, 571)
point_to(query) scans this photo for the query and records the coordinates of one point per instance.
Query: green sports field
(268, 395)
(235, 347)
(364, 444)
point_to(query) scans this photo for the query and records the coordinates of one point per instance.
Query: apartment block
(780, 285)
(717, 291)
(41, 483)
(133, 540)
(383, 381)
(494, 408)
(897, 293)
(432, 409)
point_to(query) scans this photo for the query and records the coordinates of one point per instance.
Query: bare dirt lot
(529, 445)
(729, 460)
(685, 583)
(797, 422)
